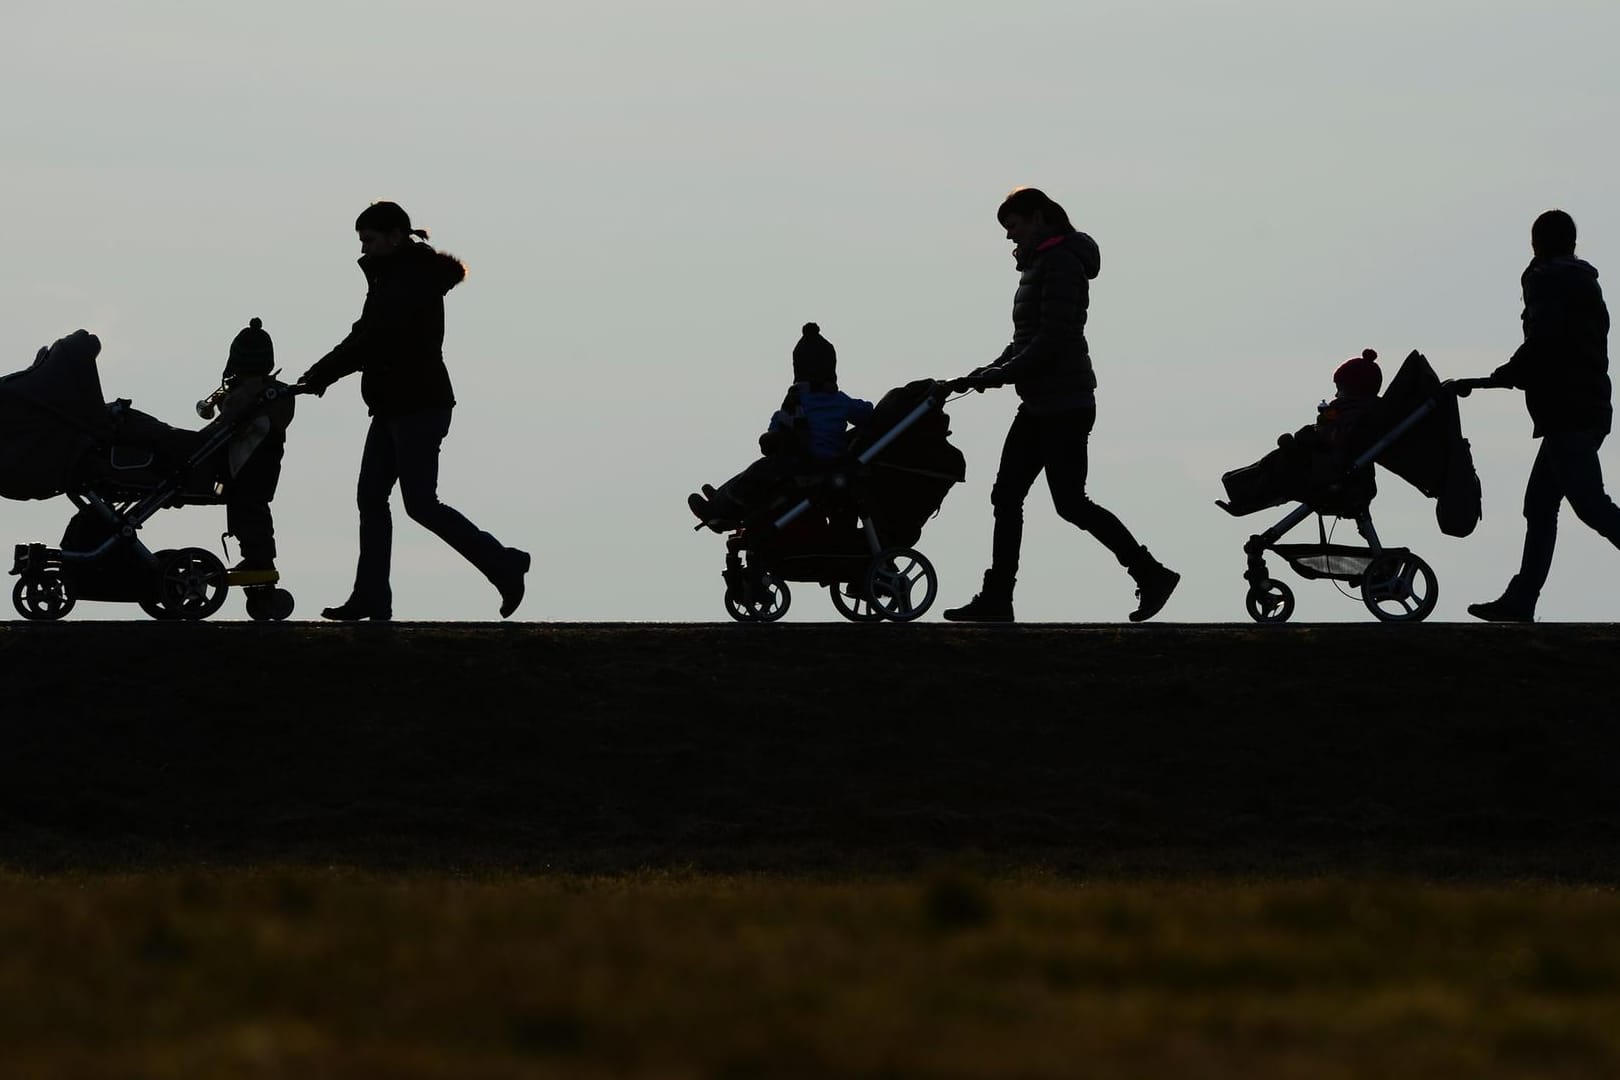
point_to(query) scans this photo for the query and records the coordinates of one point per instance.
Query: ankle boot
(1154, 584)
(992, 604)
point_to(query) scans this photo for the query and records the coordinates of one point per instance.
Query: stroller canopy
(1432, 455)
(50, 414)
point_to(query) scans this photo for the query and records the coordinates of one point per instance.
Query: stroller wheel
(764, 599)
(901, 584)
(1400, 587)
(854, 608)
(269, 604)
(1272, 602)
(191, 585)
(42, 595)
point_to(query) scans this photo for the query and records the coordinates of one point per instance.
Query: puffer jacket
(1563, 365)
(1048, 361)
(398, 343)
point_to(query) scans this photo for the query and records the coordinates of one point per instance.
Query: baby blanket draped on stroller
(1413, 431)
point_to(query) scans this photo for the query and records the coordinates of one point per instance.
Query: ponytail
(386, 217)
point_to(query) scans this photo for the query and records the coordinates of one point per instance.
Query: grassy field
(809, 851)
(299, 973)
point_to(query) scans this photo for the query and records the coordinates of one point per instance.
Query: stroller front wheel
(1272, 602)
(764, 599)
(1400, 587)
(42, 595)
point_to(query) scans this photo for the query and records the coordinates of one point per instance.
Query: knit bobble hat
(814, 358)
(1360, 376)
(252, 352)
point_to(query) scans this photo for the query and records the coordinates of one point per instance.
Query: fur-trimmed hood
(443, 270)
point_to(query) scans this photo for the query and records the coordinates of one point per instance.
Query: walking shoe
(249, 572)
(511, 583)
(992, 604)
(352, 610)
(1503, 610)
(1154, 584)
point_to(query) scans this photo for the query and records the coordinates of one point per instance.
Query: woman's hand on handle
(1463, 387)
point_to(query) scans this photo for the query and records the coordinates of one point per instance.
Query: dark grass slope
(1444, 751)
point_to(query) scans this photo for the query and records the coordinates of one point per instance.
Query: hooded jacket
(1563, 365)
(398, 343)
(1048, 361)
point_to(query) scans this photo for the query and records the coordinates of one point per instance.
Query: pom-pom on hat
(252, 352)
(814, 358)
(1360, 376)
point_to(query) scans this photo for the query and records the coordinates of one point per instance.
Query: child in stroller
(119, 467)
(811, 427)
(1415, 432)
(848, 523)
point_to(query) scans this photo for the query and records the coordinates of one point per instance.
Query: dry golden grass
(301, 972)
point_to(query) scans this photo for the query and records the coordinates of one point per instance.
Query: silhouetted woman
(398, 347)
(1049, 364)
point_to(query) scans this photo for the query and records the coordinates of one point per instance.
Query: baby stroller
(1415, 432)
(119, 467)
(849, 525)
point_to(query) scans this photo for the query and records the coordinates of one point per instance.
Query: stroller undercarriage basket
(1337, 562)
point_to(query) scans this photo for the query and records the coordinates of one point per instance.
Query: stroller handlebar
(1463, 387)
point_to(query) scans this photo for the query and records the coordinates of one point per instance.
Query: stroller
(849, 525)
(119, 467)
(1413, 431)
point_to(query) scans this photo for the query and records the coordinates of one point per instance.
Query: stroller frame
(894, 583)
(1396, 585)
(184, 583)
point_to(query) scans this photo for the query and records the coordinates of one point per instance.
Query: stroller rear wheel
(764, 599)
(854, 608)
(901, 584)
(1399, 587)
(191, 585)
(42, 595)
(1272, 602)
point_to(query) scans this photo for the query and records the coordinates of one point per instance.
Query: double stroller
(849, 525)
(119, 466)
(1413, 431)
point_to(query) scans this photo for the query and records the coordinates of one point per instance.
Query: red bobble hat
(1360, 376)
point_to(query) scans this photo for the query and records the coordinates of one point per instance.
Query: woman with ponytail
(1049, 364)
(398, 347)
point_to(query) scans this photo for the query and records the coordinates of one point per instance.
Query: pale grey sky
(653, 197)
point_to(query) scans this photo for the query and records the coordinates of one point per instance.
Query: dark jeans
(1056, 443)
(405, 450)
(1566, 467)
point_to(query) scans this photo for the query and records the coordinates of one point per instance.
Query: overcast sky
(652, 197)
